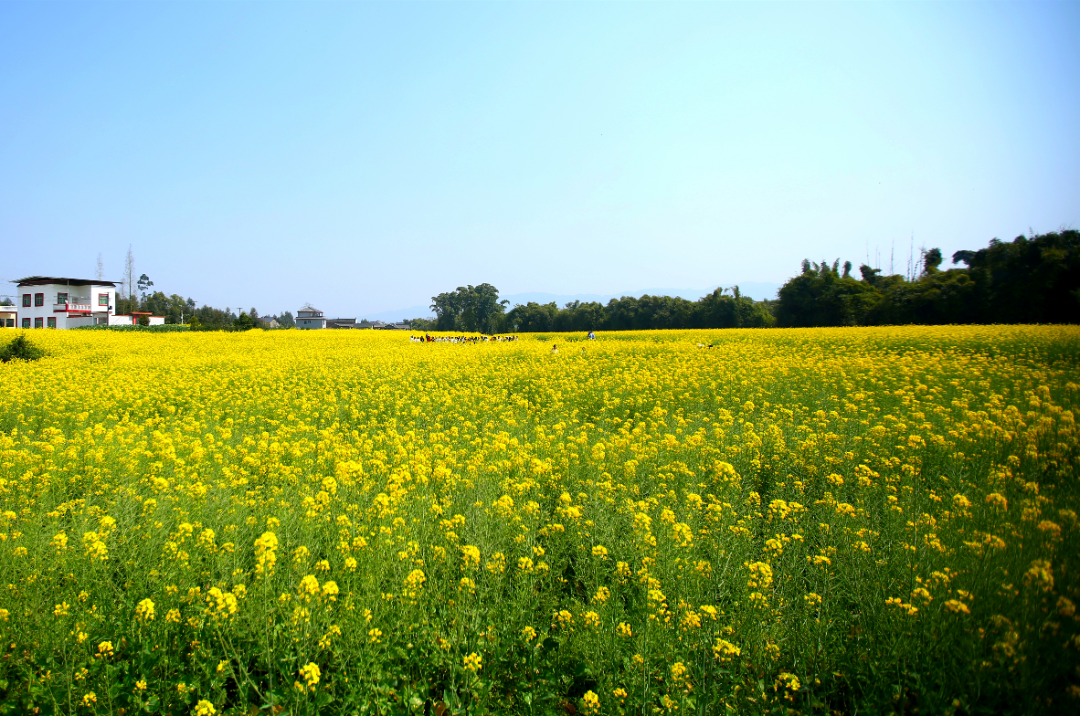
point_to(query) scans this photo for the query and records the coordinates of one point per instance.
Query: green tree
(1028, 280)
(822, 296)
(469, 308)
(931, 261)
(243, 322)
(532, 317)
(175, 308)
(144, 283)
(717, 310)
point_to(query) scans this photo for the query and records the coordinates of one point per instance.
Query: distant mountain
(758, 291)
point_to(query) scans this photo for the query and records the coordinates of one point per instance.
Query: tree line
(478, 309)
(1027, 280)
(177, 309)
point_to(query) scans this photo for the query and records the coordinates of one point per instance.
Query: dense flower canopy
(674, 520)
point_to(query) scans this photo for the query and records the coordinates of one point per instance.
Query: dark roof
(46, 280)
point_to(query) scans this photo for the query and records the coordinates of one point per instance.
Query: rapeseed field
(826, 521)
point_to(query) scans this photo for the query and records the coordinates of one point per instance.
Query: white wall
(47, 311)
(79, 322)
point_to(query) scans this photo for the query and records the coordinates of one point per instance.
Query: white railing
(76, 307)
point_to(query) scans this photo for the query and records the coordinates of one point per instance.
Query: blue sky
(366, 156)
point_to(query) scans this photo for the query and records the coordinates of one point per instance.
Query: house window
(61, 298)
(26, 300)
(26, 323)
(11, 323)
(51, 323)
(39, 299)
(103, 299)
(37, 323)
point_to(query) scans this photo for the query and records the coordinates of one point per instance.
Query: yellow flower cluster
(648, 514)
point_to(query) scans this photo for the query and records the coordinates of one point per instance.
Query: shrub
(20, 349)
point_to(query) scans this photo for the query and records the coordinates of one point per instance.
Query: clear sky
(366, 156)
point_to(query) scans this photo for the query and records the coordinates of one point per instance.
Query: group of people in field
(427, 338)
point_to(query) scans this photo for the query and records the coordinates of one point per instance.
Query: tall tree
(243, 322)
(144, 283)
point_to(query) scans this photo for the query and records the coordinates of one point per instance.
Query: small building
(341, 323)
(9, 317)
(308, 318)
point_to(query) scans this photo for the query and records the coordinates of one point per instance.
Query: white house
(50, 302)
(309, 317)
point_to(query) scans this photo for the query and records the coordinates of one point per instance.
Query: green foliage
(821, 296)
(175, 308)
(716, 310)
(144, 283)
(1034, 280)
(473, 309)
(20, 349)
(244, 322)
(209, 318)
